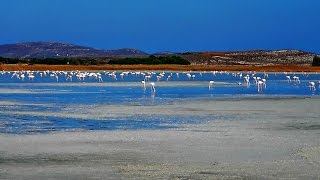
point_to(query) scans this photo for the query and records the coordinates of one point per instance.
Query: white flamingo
(255, 79)
(312, 86)
(31, 77)
(100, 78)
(159, 78)
(15, 74)
(288, 78)
(264, 83)
(69, 77)
(260, 85)
(247, 80)
(168, 78)
(189, 76)
(211, 84)
(296, 79)
(121, 75)
(22, 77)
(114, 76)
(147, 78)
(56, 77)
(143, 83)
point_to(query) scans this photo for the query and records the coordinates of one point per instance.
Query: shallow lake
(41, 102)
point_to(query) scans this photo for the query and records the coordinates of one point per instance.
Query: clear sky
(165, 25)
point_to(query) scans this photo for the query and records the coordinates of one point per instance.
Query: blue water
(25, 102)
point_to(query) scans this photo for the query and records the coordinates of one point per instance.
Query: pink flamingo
(152, 85)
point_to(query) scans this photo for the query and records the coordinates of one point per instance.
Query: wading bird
(312, 86)
(211, 84)
(288, 78)
(152, 86)
(296, 79)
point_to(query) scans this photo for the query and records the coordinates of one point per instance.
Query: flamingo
(114, 76)
(211, 84)
(15, 74)
(146, 78)
(189, 76)
(260, 85)
(100, 78)
(168, 78)
(152, 86)
(56, 77)
(264, 83)
(255, 79)
(31, 77)
(121, 75)
(22, 77)
(69, 77)
(143, 84)
(296, 79)
(159, 78)
(312, 86)
(247, 80)
(288, 78)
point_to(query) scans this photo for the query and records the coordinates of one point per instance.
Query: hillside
(54, 49)
(259, 57)
(60, 50)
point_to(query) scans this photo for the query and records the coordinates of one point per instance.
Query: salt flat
(275, 139)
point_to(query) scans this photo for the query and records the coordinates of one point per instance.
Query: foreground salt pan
(275, 139)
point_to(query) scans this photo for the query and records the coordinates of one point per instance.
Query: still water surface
(50, 101)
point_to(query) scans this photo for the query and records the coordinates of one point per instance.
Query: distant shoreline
(268, 68)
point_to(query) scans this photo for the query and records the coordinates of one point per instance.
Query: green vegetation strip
(151, 60)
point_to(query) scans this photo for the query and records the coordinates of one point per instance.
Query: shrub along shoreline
(39, 67)
(151, 60)
(171, 63)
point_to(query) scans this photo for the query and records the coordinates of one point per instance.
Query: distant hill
(54, 49)
(164, 53)
(257, 57)
(61, 50)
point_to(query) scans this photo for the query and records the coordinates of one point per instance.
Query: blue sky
(165, 25)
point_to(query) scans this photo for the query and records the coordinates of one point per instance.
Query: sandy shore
(271, 68)
(274, 139)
